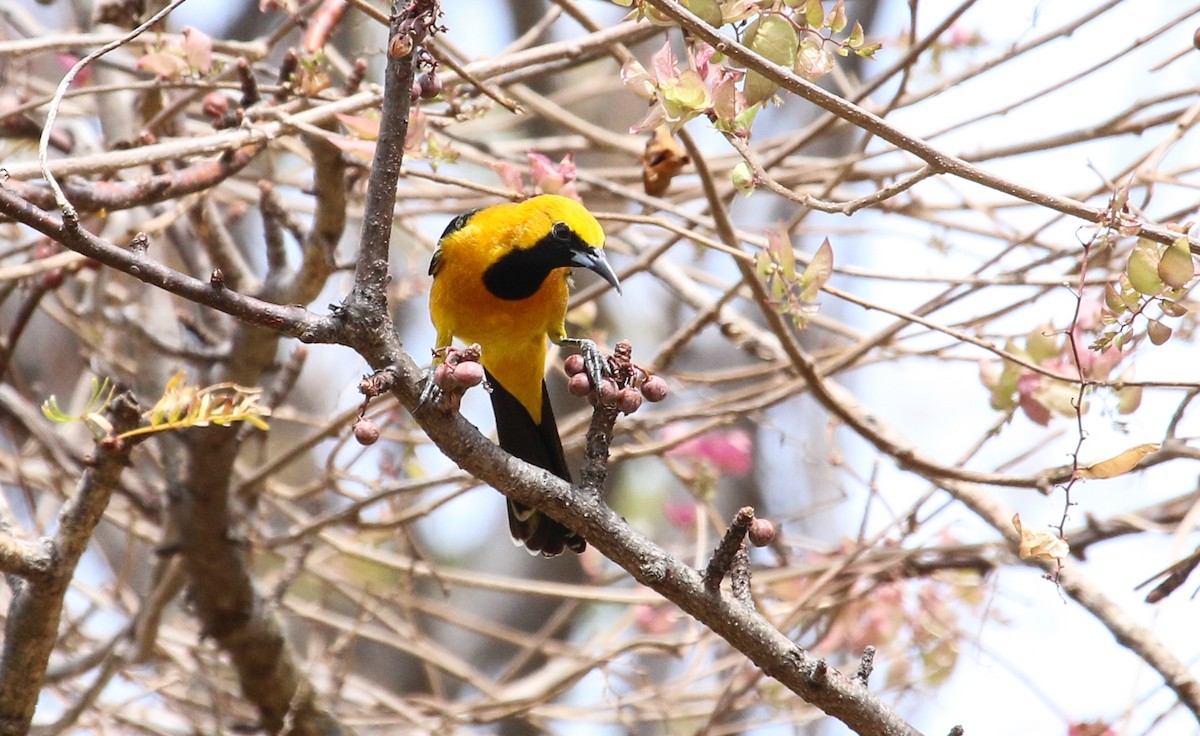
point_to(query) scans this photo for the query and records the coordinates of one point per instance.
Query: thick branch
(31, 628)
(120, 195)
(290, 320)
(740, 625)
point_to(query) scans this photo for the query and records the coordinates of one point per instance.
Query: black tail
(540, 445)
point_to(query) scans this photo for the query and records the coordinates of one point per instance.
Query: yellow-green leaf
(857, 36)
(708, 11)
(743, 178)
(1129, 398)
(1175, 267)
(1143, 268)
(762, 264)
(1041, 343)
(814, 13)
(1172, 309)
(1113, 300)
(837, 18)
(736, 11)
(773, 37)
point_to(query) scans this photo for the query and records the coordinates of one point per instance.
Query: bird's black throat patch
(521, 272)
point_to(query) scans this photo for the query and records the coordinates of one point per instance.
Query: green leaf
(857, 36)
(1004, 391)
(744, 120)
(1041, 343)
(762, 265)
(868, 51)
(1129, 398)
(837, 18)
(778, 289)
(743, 178)
(1143, 268)
(1175, 268)
(685, 97)
(774, 38)
(1129, 295)
(708, 11)
(814, 13)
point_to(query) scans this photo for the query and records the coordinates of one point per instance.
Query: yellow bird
(500, 279)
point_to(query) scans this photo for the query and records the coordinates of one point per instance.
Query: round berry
(366, 431)
(468, 374)
(53, 278)
(762, 532)
(607, 392)
(215, 105)
(629, 400)
(579, 385)
(431, 85)
(443, 377)
(573, 365)
(654, 389)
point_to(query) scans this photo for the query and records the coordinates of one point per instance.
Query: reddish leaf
(1158, 332)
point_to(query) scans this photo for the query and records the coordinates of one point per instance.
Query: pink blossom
(728, 451)
(1027, 389)
(553, 178)
(656, 619)
(680, 514)
(510, 174)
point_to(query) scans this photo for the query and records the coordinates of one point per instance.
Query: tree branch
(31, 627)
(938, 160)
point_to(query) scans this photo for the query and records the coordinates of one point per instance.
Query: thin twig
(68, 212)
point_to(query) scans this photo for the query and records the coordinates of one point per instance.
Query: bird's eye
(561, 231)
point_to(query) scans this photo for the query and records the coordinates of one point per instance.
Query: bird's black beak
(593, 260)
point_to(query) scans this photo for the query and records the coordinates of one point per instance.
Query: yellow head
(516, 246)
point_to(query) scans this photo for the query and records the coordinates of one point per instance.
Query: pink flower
(510, 174)
(728, 451)
(553, 178)
(680, 514)
(656, 619)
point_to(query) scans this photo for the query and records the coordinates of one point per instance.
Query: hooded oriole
(500, 278)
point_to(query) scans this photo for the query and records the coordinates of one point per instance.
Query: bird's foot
(613, 380)
(595, 363)
(458, 370)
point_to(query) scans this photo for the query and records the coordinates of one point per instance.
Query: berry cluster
(624, 386)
